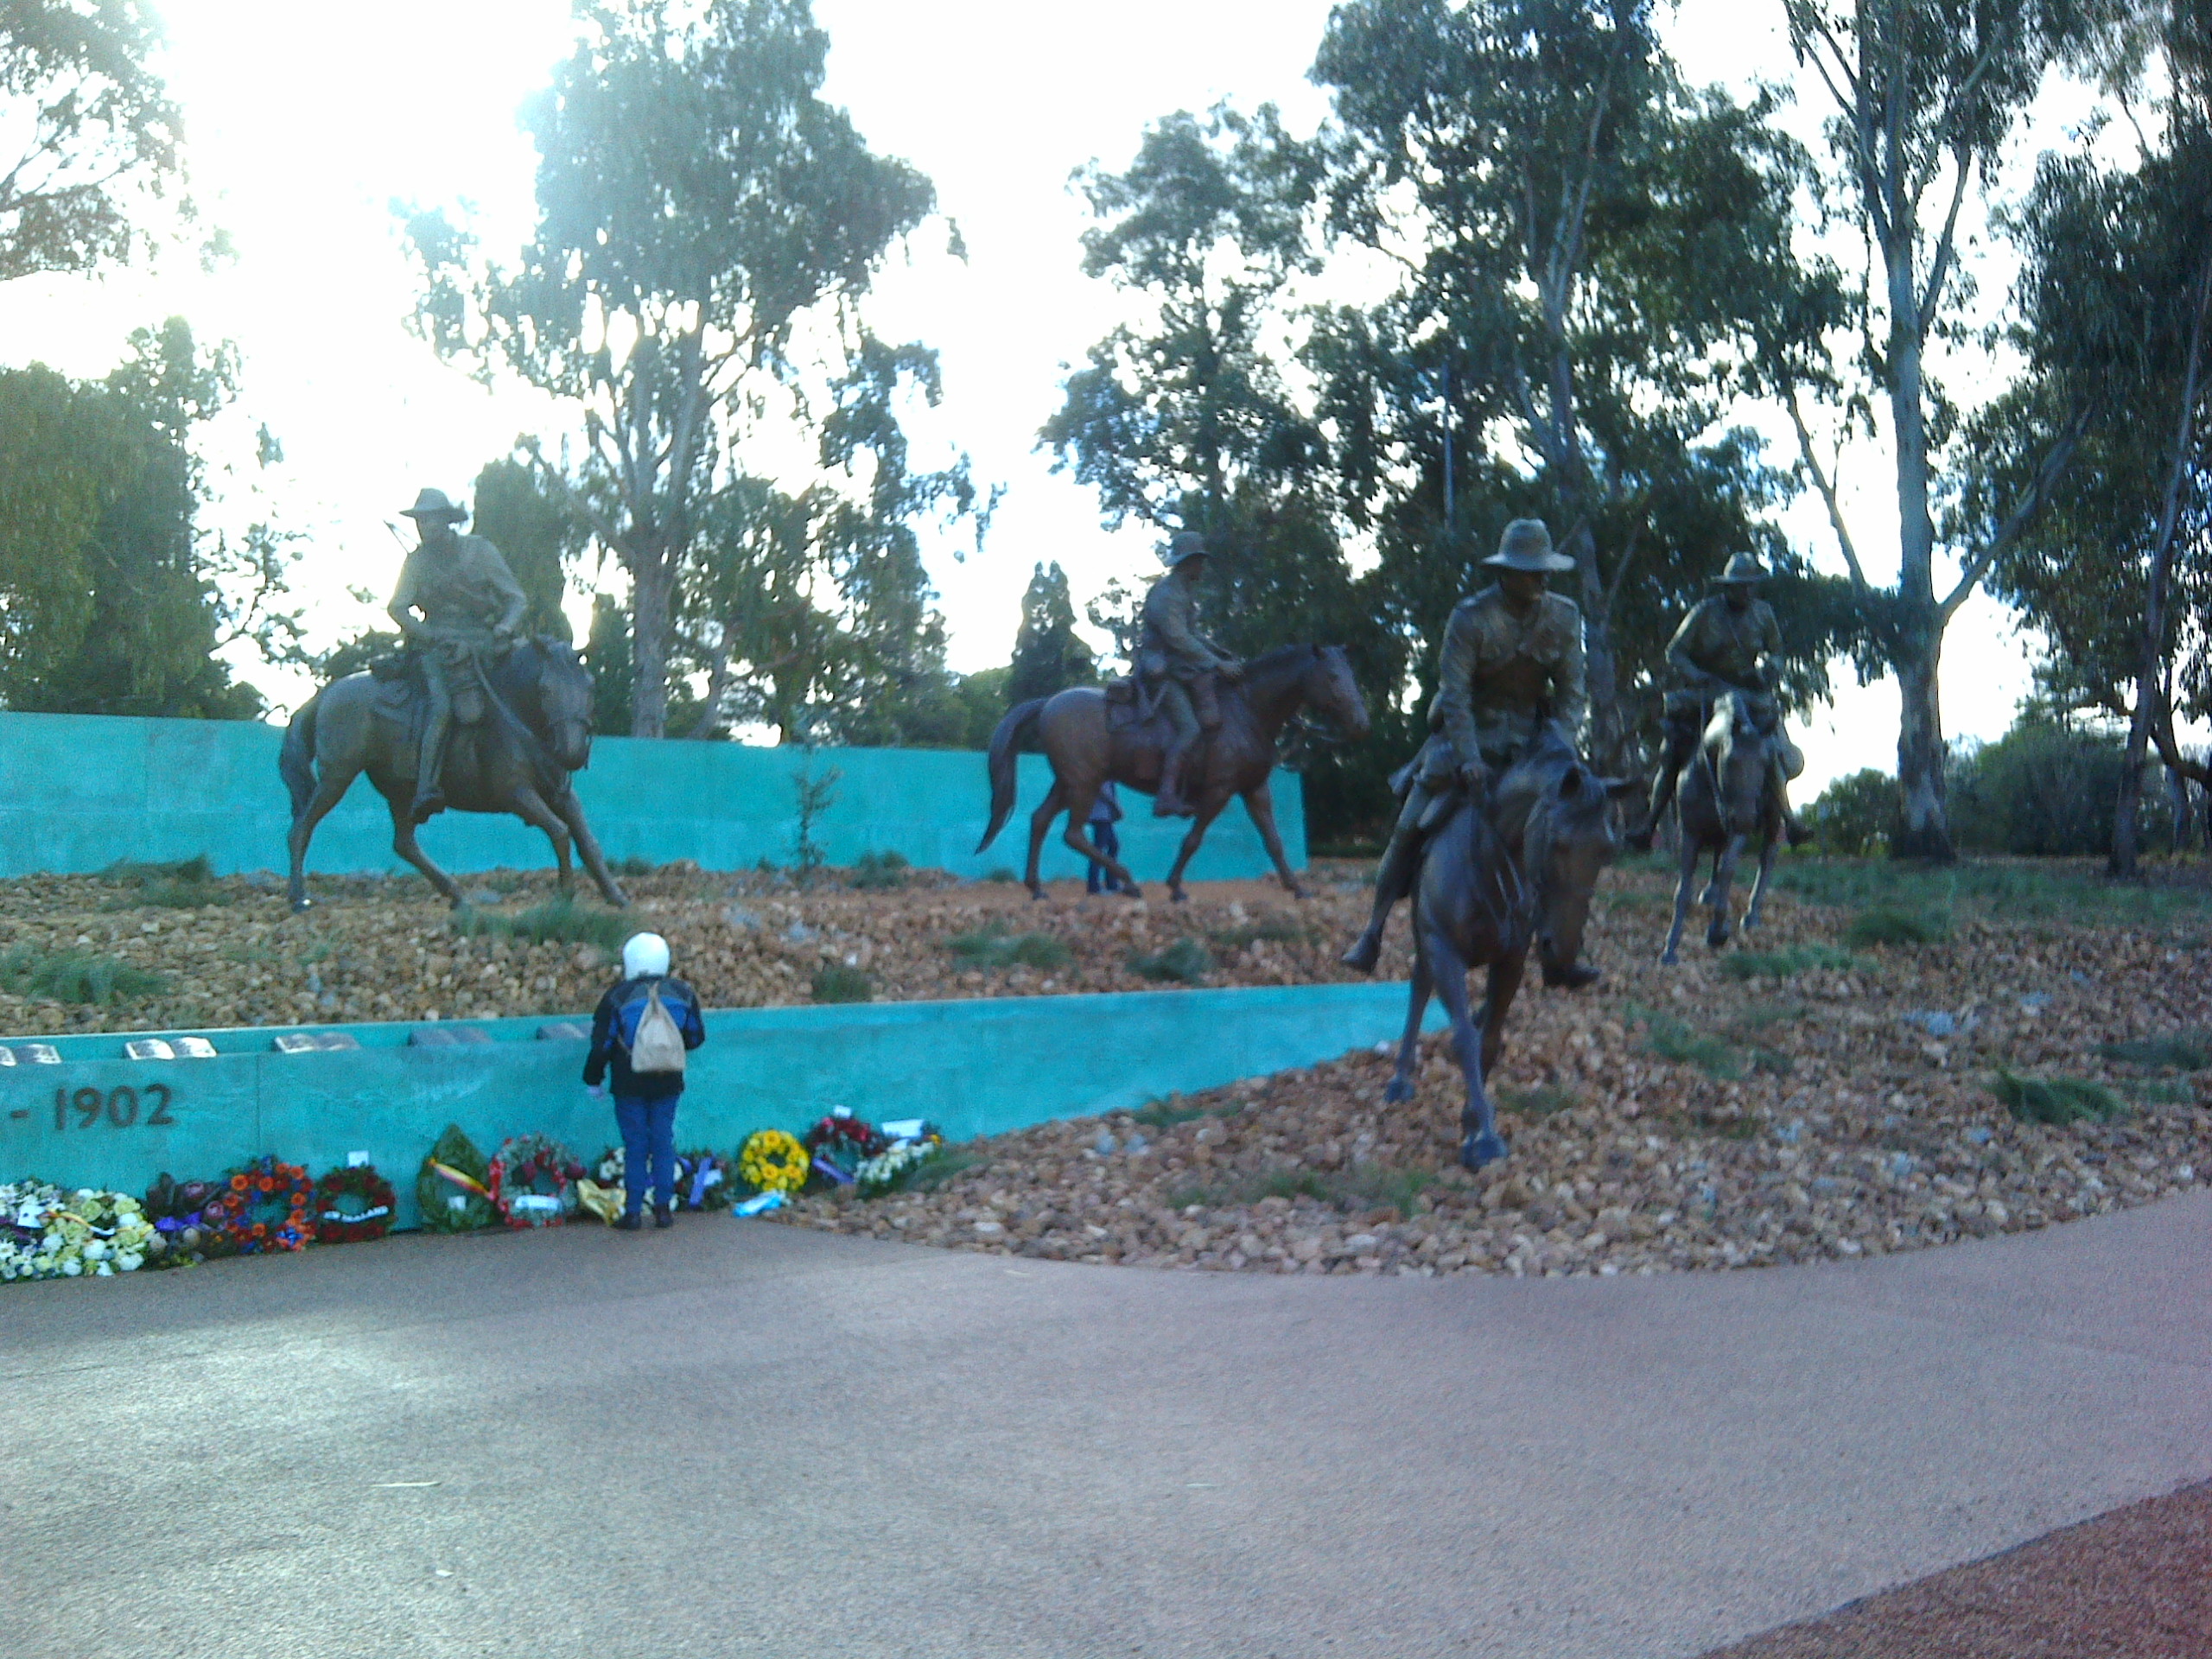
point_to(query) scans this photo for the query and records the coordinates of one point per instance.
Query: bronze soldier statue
(461, 609)
(1730, 643)
(1179, 666)
(1512, 663)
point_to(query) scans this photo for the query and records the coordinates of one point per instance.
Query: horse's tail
(1005, 741)
(296, 761)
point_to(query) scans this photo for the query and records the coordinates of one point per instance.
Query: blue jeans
(648, 1149)
(1104, 839)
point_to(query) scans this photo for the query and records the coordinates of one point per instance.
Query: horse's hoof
(1398, 1091)
(1716, 936)
(1036, 895)
(302, 904)
(1670, 958)
(1477, 1150)
(1133, 890)
(1179, 896)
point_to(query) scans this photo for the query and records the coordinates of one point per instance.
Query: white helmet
(645, 953)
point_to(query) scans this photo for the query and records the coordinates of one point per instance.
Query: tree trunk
(1924, 827)
(651, 585)
(1601, 668)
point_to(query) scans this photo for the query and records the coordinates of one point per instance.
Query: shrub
(633, 865)
(835, 982)
(2056, 1099)
(1853, 814)
(1894, 925)
(1671, 1039)
(1001, 874)
(2043, 788)
(1186, 961)
(2189, 1050)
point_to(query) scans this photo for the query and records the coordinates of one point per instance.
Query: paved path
(738, 1438)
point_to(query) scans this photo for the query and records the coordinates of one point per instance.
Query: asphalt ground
(739, 1439)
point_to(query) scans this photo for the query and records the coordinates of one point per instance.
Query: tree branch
(1939, 269)
(2031, 502)
(1826, 487)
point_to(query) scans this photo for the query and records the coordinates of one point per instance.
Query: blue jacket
(683, 1006)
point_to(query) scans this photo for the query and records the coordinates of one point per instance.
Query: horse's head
(1736, 741)
(1570, 839)
(562, 690)
(1331, 691)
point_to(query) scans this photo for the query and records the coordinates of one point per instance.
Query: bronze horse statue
(534, 733)
(1493, 882)
(1721, 800)
(1089, 744)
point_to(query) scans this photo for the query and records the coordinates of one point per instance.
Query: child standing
(643, 1029)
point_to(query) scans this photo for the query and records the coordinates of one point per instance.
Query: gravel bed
(1805, 1115)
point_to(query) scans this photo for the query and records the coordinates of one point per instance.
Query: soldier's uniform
(1724, 647)
(1504, 677)
(460, 606)
(1179, 665)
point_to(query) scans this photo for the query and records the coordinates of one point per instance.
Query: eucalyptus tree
(708, 226)
(2114, 306)
(92, 132)
(1048, 654)
(1923, 96)
(1596, 269)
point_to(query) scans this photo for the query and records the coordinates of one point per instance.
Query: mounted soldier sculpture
(471, 714)
(1504, 829)
(1729, 644)
(1194, 727)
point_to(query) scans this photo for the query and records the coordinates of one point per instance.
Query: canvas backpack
(655, 1043)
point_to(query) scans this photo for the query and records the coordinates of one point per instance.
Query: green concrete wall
(976, 1068)
(78, 791)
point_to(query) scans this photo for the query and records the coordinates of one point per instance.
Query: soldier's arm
(1769, 669)
(1570, 684)
(514, 604)
(1453, 711)
(1183, 642)
(1682, 650)
(401, 608)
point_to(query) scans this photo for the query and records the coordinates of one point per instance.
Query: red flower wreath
(266, 1206)
(373, 1210)
(532, 1167)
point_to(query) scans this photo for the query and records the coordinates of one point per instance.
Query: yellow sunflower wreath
(773, 1161)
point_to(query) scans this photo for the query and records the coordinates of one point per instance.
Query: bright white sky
(305, 122)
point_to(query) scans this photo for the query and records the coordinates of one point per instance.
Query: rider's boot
(1393, 877)
(430, 767)
(1663, 795)
(1167, 801)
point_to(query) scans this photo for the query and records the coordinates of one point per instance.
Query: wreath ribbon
(467, 1183)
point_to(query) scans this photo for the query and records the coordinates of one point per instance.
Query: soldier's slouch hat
(1527, 545)
(1187, 544)
(435, 504)
(1742, 570)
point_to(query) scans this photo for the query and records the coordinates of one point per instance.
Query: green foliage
(1539, 1100)
(947, 1164)
(2189, 1050)
(434, 1193)
(2045, 788)
(1001, 874)
(815, 793)
(837, 982)
(560, 920)
(1276, 930)
(97, 134)
(993, 947)
(110, 600)
(1675, 1040)
(698, 197)
(2056, 1101)
(183, 884)
(1897, 925)
(880, 872)
(1165, 1113)
(1048, 656)
(75, 976)
(1185, 962)
(1853, 814)
(540, 533)
(1785, 963)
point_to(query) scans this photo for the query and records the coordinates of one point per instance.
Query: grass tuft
(1186, 961)
(1276, 930)
(993, 947)
(75, 976)
(1785, 963)
(880, 872)
(557, 921)
(835, 981)
(1895, 924)
(1673, 1039)
(1541, 1101)
(2189, 1050)
(2055, 1100)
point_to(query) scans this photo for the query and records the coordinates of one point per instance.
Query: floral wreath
(534, 1181)
(851, 1141)
(368, 1217)
(774, 1161)
(266, 1206)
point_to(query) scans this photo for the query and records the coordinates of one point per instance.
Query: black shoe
(663, 1215)
(629, 1223)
